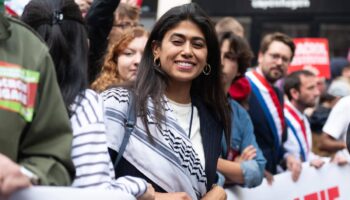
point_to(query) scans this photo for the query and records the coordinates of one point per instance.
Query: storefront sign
(274, 8)
(291, 4)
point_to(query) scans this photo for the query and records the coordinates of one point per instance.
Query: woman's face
(182, 52)
(229, 63)
(129, 59)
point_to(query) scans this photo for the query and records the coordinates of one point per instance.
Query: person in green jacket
(35, 132)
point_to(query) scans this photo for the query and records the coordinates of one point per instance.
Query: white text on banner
(330, 182)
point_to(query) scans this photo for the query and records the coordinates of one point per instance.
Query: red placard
(311, 54)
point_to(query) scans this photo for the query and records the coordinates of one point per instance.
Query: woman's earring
(157, 66)
(156, 63)
(207, 69)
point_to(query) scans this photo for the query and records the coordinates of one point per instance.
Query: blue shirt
(242, 136)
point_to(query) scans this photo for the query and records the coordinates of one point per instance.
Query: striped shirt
(89, 149)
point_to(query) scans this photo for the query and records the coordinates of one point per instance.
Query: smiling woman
(182, 55)
(181, 107)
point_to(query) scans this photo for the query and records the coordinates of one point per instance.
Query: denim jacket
(242, 136)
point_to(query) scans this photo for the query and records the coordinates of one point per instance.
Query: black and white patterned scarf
(170, 160)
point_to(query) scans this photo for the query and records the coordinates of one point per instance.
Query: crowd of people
(91, 99)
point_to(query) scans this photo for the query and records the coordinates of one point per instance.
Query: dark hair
(61, 25)
(277, 36)
(240, 49)
(325, 97)
(151, 81)
(292, 81)
(337, 65)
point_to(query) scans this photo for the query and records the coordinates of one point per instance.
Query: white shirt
(182, 112)
(338, 121)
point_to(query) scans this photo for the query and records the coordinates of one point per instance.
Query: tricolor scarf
(300, 129)
(270, 104)
(170, 161)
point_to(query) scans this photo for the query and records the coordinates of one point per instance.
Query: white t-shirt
(338, 122)
(182, 112)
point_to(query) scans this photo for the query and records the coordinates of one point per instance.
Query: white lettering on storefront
(291, 4)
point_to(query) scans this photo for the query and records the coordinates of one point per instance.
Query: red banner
(311, 54)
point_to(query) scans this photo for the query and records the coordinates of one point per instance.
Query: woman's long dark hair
(60, 24)
(151, 82)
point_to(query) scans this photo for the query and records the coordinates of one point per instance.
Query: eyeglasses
(126, 25)
(276, 56)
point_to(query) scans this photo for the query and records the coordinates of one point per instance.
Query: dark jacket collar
(212, 132)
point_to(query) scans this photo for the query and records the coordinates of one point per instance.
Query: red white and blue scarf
(270, 104)
(299, 133)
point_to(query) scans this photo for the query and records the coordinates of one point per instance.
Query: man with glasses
(266, 104)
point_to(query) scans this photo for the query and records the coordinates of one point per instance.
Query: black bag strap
(129, 127)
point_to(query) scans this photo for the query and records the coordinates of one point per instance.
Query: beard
(306, 104)
(272, 75)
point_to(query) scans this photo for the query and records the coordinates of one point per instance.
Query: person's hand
(339, 160)
(294, 166)
(149, 194)
(317, 163)
(172, 196)
(11, 177)
(269, 177)
(84, 6)
(216, 193)
(248, 153)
